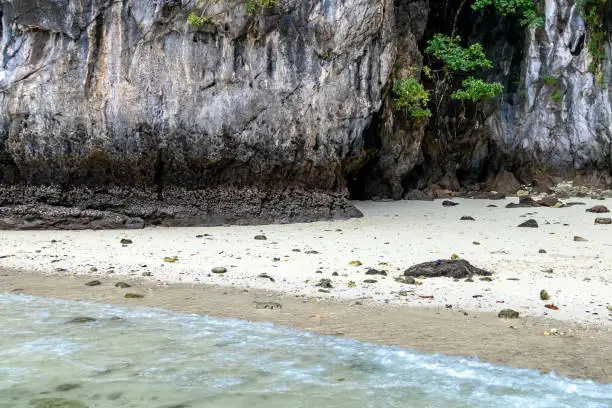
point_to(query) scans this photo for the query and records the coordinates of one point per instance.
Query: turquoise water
(139, 357)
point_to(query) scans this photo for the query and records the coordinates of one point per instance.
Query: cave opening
(359, 180)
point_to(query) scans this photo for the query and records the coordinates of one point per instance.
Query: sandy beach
(167, 264)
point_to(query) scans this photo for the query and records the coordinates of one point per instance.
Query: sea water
(144, 357)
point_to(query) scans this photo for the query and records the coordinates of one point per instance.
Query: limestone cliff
(271, 106)
(119, 113)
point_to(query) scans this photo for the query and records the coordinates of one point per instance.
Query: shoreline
(576, 352)
(391, 237)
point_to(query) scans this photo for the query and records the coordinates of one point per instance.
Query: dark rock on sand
(67, 387)
(541, 251)
(266, 276)
(125, 241)
(260, 237)
(373, 271)
(598, 209)
(508, 314)
(603, 220)
(268, 305)
(122, 285)
(81, 319)
(544, 295)
(578, 238)
(408, 280)
(93, 283)
(531, 223)
(56, 403)
(459, 268)
(370, 281)
(524, 202)
(549, 201)
(325, 283)
(218, 270)
(133, 296)
(467, 218)
(448, 203)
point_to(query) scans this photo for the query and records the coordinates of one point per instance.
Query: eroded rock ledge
(116, 208)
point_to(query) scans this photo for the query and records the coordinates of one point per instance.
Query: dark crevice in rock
(358, 180)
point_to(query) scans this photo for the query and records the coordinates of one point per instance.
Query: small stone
(598, 209)
(403, 293)
(491, 206)
(475, 243)
(325, 283)
(146, 274)
(508, 314)
(93, 269)
(125, 241)
(467, 218)
(260, 237)
(324, 290)
(541, 251)
(469, 280)
(602, 220)
(268, 305)
(408, 280)
(486, 279)
(218, 269)
(373, 271)
(133, 296)
(531, 223)
(448, 203)
(355, 263)
(311, 252)
(266, 276)
(370, 281)
(609, 307)
(122, 285)
(81, 319)
(579, 239)
(544, 295)
(67, 387)
(171, 259)
(335, 274)
(93, 283)
(296, 250)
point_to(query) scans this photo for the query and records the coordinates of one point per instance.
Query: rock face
(120, 114)
(565, 118)
(112, 94)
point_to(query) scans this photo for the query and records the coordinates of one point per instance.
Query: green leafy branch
(412, 97)
(527, 9)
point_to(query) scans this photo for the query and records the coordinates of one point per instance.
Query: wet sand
(576, 352)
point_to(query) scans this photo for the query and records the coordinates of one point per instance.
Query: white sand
(399, 234)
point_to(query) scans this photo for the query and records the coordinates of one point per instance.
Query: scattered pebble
(531, 223)
(93, 283)
(603, 220)
(508, 314)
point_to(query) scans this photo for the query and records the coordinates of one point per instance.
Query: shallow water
(138, 357)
